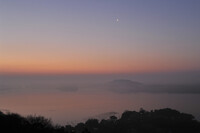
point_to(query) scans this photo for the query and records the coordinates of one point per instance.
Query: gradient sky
(84, 36)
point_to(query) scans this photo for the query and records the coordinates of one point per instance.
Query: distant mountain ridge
(124, 86)
(124, 81)
(129, 86)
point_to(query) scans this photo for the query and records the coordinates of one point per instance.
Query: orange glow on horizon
(89, 65)
(83, 68)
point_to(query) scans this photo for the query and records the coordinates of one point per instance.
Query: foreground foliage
(156, 121)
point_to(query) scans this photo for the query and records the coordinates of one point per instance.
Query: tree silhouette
(156, 121)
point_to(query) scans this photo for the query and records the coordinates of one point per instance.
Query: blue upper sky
(115, 36)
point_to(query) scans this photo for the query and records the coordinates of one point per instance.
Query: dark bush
(157, 121)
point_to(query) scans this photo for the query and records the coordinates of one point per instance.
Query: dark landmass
(155, 121)
(128, 86)
(124, 86)
(68, 89)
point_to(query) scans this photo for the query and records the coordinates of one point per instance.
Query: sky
(90, 36)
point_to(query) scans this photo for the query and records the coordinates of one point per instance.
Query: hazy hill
(124, 86)
(128, 86)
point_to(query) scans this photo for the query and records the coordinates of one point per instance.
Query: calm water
(67, 100)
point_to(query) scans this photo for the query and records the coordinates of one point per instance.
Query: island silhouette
(129, 86)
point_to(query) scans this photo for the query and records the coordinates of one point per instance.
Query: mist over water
(75, 98)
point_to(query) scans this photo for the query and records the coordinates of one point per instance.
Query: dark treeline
(155, 121)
